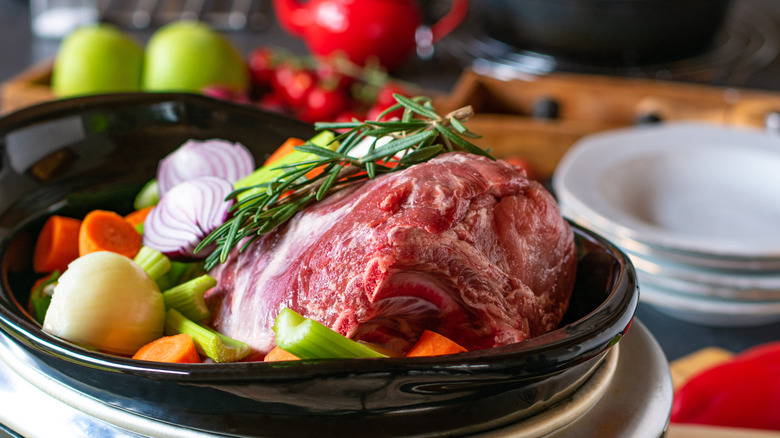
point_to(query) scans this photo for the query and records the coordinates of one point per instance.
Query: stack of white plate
(695, 206)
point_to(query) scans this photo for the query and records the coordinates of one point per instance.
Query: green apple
(189, 56)
(97, 59)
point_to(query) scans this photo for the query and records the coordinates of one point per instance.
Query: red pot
(361, 30)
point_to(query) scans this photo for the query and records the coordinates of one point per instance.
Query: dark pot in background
(618, 32)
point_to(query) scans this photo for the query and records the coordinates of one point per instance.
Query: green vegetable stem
(155, 263)
(308, 339)
(209, 343)
(188, 297)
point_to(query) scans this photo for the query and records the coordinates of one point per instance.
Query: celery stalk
(208, 342)
(40, 296)
(267, 173)
(155, 263)
(188, 298)
(148, 196)
(179, 273)
(308, 339)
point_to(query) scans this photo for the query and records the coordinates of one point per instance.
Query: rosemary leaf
(370, 166)
(467, 146)
(396, 146)
(422, 154)
(328, 183)
(469, 134)
(319, 151)
(414, 106)
(387, 111)
(290, 178)
(231, 236)
(337, 126)
(397, 126)
(287, 211)
(294, 166)
(458, 126)
(381, 132)
(248, 242)
(213, 237)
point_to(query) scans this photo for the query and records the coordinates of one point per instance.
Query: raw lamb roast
(461, 245)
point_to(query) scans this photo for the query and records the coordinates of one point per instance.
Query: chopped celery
(267, 173)
(148, 196)
(40, 305)
(40, 296)
(155, 263)
(188, 299)
(308, 339)
(208, 342)
(179, 273)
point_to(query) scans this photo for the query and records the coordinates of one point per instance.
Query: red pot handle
(450, 20)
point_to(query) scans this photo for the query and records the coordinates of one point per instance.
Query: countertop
(20, 49)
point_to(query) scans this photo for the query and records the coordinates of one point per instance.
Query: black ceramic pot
(71, 156)
(614, 32)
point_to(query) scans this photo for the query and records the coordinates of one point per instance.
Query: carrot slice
(138, 217)
(523, 164)
(57, 245)
(434, 344)
(277, 354)
(314, 172)
(103, 230)
(173, 349)
(286, 147)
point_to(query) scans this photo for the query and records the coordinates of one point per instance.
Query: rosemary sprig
(420, 135)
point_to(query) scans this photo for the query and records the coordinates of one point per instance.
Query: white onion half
(195, 158)
(105, 300)
(186, 214)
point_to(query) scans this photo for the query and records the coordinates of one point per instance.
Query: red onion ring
(194, 158)
(188, 213)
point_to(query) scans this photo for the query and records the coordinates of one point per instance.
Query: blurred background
(724, 42)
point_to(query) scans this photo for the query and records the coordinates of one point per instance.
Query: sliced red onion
(231, 161)
(186, 214)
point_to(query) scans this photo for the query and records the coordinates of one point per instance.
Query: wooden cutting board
(511, 115)
(27, 88)
(688, 366)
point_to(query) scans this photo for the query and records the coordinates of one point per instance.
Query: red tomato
(384, 100)
(330, 77)
(376, 110)
(348, 116)
(292, 83)
(323, 105)
(261, 67)
(384, 97)
(523, 164)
